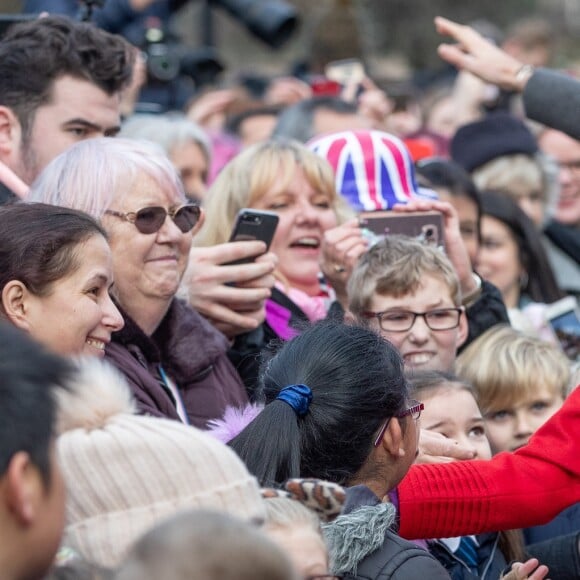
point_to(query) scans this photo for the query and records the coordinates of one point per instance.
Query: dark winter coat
(363, 544)
(191, 352)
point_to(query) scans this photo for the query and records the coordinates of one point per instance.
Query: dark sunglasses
(149, 220)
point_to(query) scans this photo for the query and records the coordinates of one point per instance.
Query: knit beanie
(496, 135)
(124, 473)
(373, 170)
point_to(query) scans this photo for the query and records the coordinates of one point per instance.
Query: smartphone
(345, 72)
(426, 226)
(252, 224)
(564, 318)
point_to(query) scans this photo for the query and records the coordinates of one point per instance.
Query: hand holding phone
(252, 225)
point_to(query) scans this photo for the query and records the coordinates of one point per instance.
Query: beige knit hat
(124, 473)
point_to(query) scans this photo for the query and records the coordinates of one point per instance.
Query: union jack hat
(373, 170)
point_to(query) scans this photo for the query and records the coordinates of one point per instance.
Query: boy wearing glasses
(410, 293)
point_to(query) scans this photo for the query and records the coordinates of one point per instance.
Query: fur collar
(352, 537)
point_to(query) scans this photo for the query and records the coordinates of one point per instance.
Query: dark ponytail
(356, 378)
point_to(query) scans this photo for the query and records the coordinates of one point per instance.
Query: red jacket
(513, 490)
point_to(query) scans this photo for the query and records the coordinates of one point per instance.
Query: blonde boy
(410, 293)
(520, 381)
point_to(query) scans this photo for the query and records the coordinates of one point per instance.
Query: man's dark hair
(28, 376)
(35, 53)
(297, 121)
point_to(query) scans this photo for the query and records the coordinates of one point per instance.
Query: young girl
(451, 409)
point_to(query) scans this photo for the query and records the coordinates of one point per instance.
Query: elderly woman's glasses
(150, 219)
(403, 320)
(414, 410)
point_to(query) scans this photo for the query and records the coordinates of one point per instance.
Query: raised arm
(550, 97)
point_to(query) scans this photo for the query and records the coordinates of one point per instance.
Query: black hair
(357, 381)
(35, 53)
(436, 172)
(28, 376)
(541, 283)
(297, 121)
(39, 242)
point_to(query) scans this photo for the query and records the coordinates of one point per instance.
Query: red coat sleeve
(513, 490)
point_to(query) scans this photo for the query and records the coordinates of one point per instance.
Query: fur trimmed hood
(352, 537)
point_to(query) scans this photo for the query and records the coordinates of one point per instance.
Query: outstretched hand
(479, 56)
(436, 448)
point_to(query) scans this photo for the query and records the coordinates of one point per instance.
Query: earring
(524, 279)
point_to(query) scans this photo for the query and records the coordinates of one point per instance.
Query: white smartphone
(564, 318)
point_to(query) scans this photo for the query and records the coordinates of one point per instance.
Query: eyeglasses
(414, 410)
(149, 220)
(572, 166)
(402, 320)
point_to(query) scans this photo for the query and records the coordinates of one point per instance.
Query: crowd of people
(330, 404)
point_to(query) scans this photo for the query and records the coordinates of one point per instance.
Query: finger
(232, 251)
(267, 281)
(455, 56)
(235, 324)
(353, 255)
(237, 297)
(425, 459)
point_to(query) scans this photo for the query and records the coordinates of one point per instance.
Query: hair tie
(298, 397)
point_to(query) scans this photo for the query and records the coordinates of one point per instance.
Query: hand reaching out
(481, 57)
(436, 448)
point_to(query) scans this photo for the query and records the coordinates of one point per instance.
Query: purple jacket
(192, 353)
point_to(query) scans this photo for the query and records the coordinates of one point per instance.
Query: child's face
(421, 347)
(453, 412)
(511, 427)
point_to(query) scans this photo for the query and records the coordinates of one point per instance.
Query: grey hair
(168, 131)
(92, 174)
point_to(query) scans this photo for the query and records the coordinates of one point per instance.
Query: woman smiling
(55, 277)
(174, 360)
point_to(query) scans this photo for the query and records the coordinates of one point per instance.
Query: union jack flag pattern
(373, 170)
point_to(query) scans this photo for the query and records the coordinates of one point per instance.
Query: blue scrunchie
(298, 397)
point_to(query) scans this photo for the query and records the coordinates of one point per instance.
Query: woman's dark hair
(541, 284)
(356, 378)
(38, 243)
(435, 172)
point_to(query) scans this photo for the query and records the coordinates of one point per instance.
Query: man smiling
(60, 82)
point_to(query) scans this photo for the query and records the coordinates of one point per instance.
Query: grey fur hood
(353, 536)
